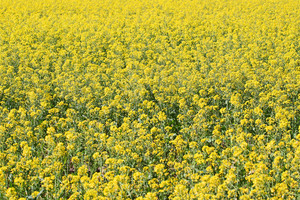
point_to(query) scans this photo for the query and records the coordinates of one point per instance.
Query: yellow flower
(75, 160)
(151, 196)
(138, 176)
(181, 191)
(159, 169)
(34, 194)
(26, 151)
(90, 194)
(82, 171)
(11, 193)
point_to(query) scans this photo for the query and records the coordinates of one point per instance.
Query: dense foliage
(140, 99)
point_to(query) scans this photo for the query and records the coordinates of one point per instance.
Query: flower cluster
(140, 99)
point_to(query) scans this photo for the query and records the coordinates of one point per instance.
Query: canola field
(140, 99)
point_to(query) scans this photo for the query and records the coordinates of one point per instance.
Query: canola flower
(161, 99)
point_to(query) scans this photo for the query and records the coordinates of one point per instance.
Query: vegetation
(140, 99)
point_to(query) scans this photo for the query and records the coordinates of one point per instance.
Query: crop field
(149, 99)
